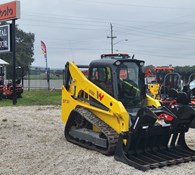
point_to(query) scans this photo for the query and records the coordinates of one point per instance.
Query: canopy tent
(2, 62)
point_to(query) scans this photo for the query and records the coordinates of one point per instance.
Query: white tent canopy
(2, 62)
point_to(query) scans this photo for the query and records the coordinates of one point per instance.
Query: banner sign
(10, 11)
(5, 45)
(43, 48)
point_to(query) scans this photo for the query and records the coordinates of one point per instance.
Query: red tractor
(154, 79)
(6, 90)
(160, 73)
(176, 96)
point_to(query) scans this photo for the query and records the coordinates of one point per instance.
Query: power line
(153, 35)
(135, 5)
(100, 24)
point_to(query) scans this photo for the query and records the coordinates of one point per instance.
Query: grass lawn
(35, 97)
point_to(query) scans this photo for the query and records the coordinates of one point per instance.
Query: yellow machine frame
(116, 117)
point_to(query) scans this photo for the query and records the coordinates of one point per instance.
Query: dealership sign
(5, 38)
(10, 11)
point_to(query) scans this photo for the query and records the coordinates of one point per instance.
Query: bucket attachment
(150, 145)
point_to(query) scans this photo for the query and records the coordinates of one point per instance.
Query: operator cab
(123, 79)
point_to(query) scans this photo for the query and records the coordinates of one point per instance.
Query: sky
(159, 32)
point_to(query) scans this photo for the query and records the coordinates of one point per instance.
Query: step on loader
(110, 112)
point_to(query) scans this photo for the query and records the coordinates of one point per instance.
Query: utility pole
(111, 37)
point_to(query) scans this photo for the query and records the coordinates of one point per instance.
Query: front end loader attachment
(150, 144)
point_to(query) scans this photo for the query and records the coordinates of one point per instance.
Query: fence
(42, 84)
(36, 78)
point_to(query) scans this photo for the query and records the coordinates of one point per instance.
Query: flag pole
(47, 72)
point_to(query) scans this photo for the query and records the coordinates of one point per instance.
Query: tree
(24, 52)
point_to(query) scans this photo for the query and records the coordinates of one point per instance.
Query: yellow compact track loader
(109, 112)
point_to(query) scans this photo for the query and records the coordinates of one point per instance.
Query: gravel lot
(32, 142)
